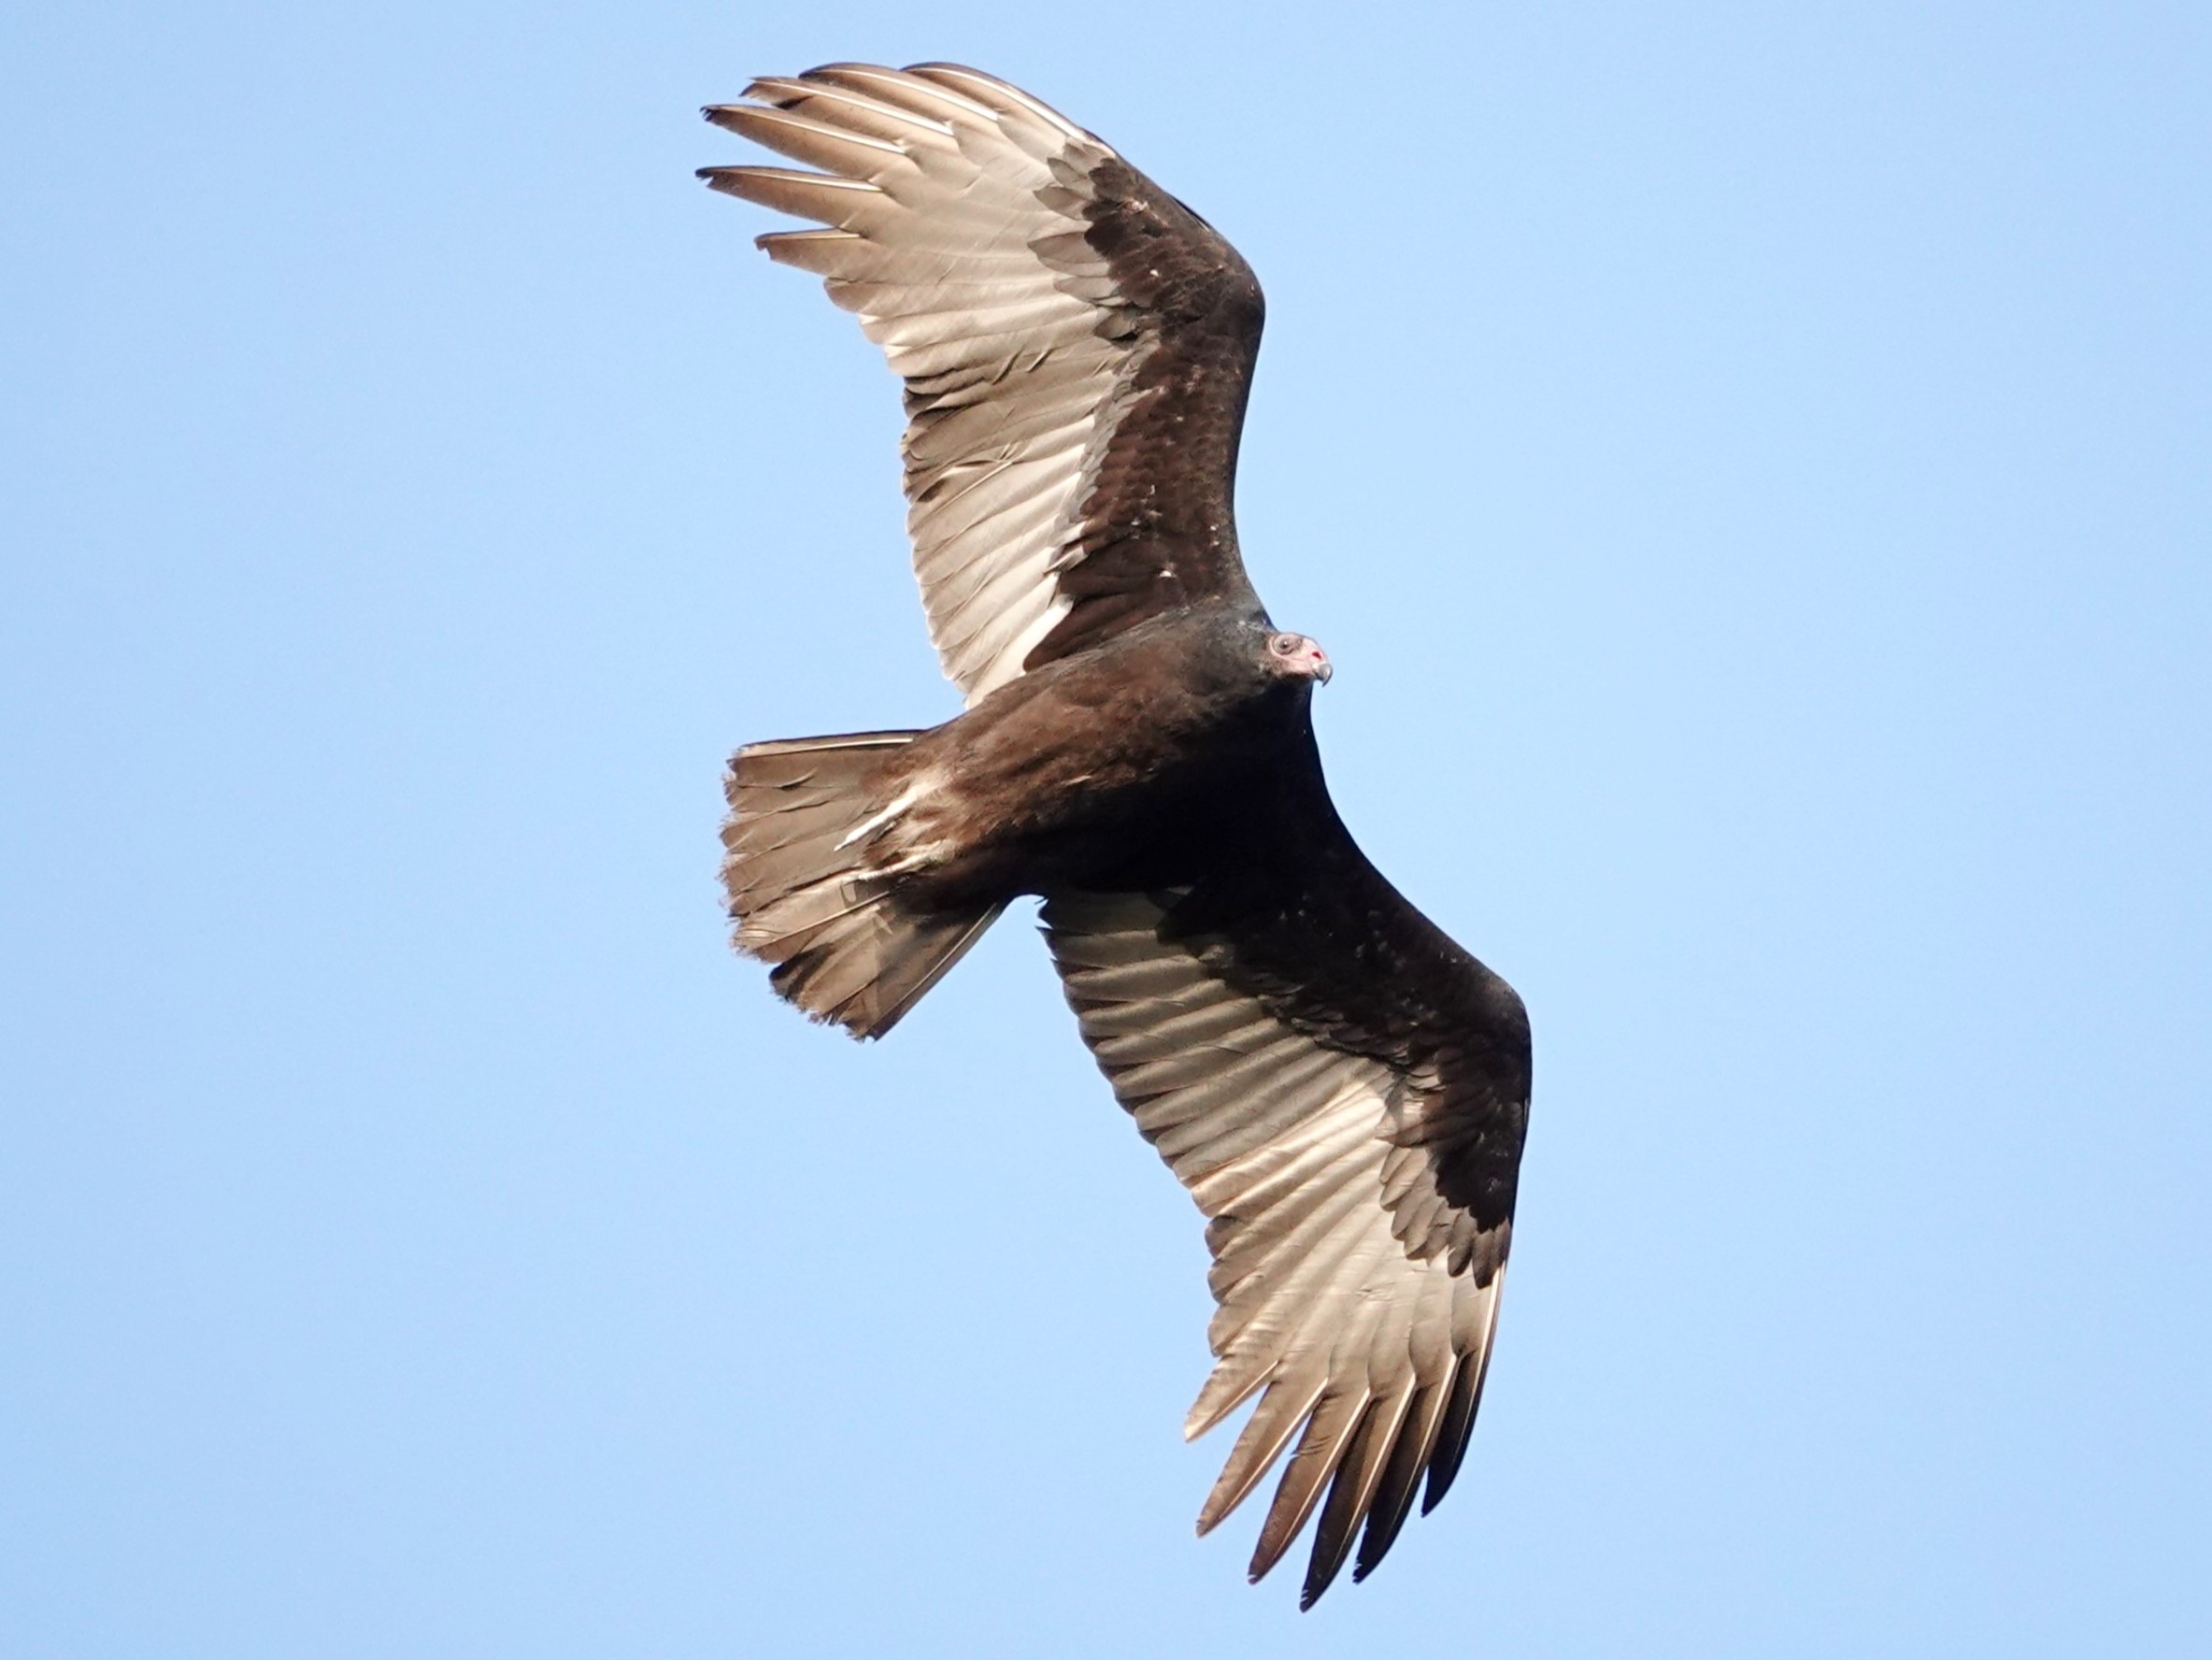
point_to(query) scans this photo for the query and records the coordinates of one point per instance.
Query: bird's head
(1297, 657)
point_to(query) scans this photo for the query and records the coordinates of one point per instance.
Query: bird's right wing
(1077, 347)
(1345, 1093)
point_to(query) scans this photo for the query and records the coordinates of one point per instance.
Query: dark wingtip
(723, 179)
(1321, 1573)
(1453, 1433)
(1439, 1484)
(1381, 1533)
(1349, 1504)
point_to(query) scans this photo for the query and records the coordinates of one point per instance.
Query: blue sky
(1749, 467)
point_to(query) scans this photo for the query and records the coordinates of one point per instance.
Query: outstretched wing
(1077, 347)
(1345, 1093)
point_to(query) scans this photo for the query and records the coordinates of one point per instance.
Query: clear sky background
(1749, 464)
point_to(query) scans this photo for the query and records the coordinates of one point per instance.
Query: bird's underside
(1343, 1089)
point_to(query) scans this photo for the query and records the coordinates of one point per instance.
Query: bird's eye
(1282, 645)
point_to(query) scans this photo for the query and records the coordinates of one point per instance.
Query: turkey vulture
(1343, 1089)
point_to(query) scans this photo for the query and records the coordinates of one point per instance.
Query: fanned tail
(812, 873)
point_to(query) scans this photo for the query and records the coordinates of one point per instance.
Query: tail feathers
(812, 873)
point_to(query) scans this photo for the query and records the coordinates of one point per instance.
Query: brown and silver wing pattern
(1076, 346)
(1355, 1155)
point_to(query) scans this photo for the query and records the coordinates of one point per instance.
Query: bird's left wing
(1345, 1093)
(1077, 347)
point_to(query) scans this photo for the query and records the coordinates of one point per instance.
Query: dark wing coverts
(1076, 346)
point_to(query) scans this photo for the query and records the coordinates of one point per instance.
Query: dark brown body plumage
(1115, 766)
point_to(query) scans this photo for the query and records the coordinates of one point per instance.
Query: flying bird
(1342, 1089)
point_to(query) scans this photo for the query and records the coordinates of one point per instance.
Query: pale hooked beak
(1300, 654)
